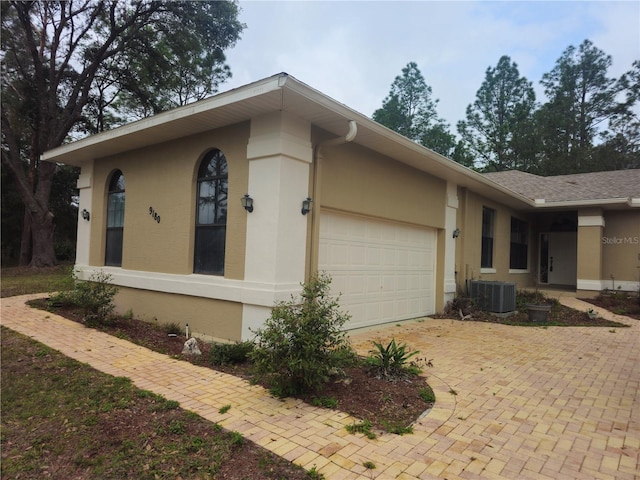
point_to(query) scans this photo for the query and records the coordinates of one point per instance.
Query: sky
(353, 50)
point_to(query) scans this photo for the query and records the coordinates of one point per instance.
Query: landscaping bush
(303, 341)
(527, 297)
(94, 297)
(390, 360)
(230, 353)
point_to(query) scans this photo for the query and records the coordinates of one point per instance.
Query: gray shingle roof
(576, 187)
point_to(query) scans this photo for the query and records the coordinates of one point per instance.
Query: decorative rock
(191, 347)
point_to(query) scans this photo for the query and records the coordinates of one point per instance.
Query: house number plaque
(154, 214)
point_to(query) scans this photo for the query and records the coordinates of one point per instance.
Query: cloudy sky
(353, 50)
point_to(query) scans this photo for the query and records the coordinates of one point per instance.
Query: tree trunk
(25, 242)
(42, 226)
(42, 235)
(40, 218)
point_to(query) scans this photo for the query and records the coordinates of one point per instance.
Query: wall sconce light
(306, 206)
(247, 202)
(85, 214)
(456, 233)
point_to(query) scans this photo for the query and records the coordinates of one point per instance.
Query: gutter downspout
(315, 218)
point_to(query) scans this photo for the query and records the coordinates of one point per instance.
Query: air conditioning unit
(497, 297)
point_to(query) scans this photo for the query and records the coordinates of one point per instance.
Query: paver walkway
(530, 403)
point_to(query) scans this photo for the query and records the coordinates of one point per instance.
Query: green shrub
(364, 427)
(230, 353)
(94, 297)
(172, 328)
(427, 395)
(314, 474)
(526, 297)
(325, 402)
(392, 359)
(236, 438)
(302, 342)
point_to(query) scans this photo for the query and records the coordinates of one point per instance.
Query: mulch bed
(385, 403)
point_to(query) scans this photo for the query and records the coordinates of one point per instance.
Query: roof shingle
(575, 187)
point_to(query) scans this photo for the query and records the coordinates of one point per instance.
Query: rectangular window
(115, 229)
(113, 250)
(209, 249)
(488, 221)
(519, 253)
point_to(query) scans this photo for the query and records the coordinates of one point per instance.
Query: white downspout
(351, 134)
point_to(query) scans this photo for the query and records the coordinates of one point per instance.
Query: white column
(280, 154)
(85, 183)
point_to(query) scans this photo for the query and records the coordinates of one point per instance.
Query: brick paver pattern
(512, 402)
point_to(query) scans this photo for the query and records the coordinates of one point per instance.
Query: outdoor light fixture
(306, 206)
(456, 233)
(247, 202)
(86, 215)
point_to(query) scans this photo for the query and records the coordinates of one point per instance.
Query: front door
(558, 258)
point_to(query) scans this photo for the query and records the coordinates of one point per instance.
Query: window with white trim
(488, 223)
(211, 214)
(519, 249)
(115, 220)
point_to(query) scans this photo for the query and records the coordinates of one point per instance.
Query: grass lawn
(63, 419)
(24, 280)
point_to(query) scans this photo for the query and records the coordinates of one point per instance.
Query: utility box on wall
(497, 297)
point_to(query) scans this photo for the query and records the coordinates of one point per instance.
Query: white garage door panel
(383, 270)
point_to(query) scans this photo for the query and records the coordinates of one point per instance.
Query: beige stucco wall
(215, 319)
(358, 180)
(621, 247)
(163, 177)
(468, 248)
(590, 259)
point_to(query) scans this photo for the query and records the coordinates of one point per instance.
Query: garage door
(384, 270)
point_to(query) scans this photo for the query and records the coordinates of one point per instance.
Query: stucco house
(210, 213)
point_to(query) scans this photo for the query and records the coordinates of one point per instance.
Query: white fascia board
(585, 203)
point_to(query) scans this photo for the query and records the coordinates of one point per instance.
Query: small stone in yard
(191, 347)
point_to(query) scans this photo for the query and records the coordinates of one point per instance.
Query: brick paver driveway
(557, 402)
(554, 403)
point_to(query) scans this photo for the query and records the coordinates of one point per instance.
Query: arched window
(115, 220)
(211, 214)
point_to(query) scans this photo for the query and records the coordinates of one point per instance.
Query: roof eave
(79, 151)
(630, 202)
(445, 167)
